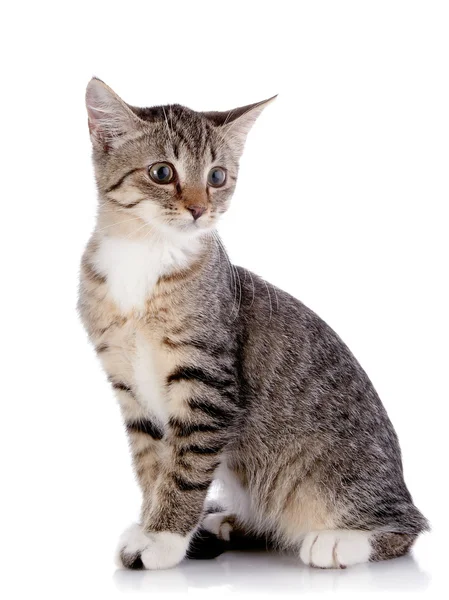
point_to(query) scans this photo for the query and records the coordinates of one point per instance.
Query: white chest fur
(133, 267)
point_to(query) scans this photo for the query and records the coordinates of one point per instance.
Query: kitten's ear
(235, 124)
(109, 117)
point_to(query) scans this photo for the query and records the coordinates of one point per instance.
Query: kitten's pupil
(163, 172)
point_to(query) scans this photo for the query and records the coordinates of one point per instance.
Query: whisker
(254, 291)
(171, 116)
(277, 299)
(269, 300)
(231, 272)
(118, 223)
(168, 128)
(240, 291)
(137, 230)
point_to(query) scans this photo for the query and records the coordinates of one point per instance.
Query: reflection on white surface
(273, 573)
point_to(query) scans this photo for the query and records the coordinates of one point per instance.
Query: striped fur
(220, 376)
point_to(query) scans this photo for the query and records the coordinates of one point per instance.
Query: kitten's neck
(133, 262)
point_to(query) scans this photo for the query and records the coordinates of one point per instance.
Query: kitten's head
(168, 166)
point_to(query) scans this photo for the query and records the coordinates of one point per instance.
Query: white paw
(159, 550)
(335, 549)
(216, 523)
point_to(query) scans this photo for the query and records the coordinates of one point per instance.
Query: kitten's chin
(185, 229)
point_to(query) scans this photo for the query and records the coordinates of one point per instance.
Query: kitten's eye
(161, 172)
(216, 177)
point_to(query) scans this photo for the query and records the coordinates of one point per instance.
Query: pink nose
(196, 211)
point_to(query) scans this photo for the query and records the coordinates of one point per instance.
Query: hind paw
(221, 524)
(335, 549)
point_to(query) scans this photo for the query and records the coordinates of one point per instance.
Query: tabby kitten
(220, 376)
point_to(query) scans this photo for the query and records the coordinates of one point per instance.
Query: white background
(341, 201)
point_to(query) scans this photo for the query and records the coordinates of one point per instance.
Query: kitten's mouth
(195, 225)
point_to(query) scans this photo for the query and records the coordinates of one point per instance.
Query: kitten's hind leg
(390, 545)
(221, 524)
(230, 528)
(221, 532)
(207, 543)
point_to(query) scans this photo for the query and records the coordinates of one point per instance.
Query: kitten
(220, 376)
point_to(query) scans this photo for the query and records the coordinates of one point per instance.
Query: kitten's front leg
(197, 433)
